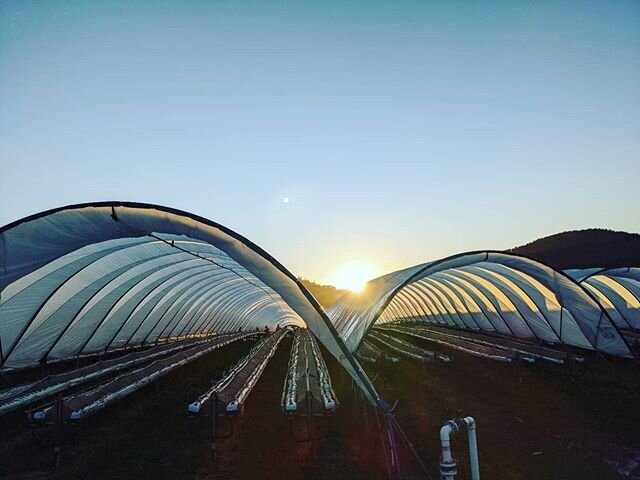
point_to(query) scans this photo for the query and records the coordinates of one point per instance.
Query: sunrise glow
(353, 276)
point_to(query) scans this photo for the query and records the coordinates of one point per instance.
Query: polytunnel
(484, 291)
(617, 290)
(91, 278)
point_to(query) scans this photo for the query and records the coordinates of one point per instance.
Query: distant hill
(325, 294)
(594, 247)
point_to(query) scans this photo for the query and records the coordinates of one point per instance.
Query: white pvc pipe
(473, 448)
(448, 466)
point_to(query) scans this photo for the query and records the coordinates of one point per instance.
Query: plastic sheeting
(617, 290)
(97, 277)
(483, 291)
(307, 387)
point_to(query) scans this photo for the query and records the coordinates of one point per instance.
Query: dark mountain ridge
(594, 247)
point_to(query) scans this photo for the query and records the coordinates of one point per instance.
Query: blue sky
(400, 131)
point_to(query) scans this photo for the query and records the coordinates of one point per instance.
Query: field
(536, 422)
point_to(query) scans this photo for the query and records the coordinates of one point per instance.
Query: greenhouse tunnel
(617, 290)
(92, 278)
(485, 291)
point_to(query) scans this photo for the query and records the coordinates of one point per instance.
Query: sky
(380, 133)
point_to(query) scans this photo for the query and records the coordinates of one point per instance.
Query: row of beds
(82, 392)
(493, 347)
(77, 394)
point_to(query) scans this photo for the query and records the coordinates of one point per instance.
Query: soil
(534, 422)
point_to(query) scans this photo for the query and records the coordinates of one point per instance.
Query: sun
(353, 276)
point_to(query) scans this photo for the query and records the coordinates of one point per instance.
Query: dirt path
(263, 447)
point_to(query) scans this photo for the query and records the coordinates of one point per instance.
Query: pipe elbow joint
(447, 430)
(471, 423)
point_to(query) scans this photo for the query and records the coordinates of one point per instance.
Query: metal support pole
(58, 436)
(214, 418)
(309, 413)
(393, 449)
(365, 412)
